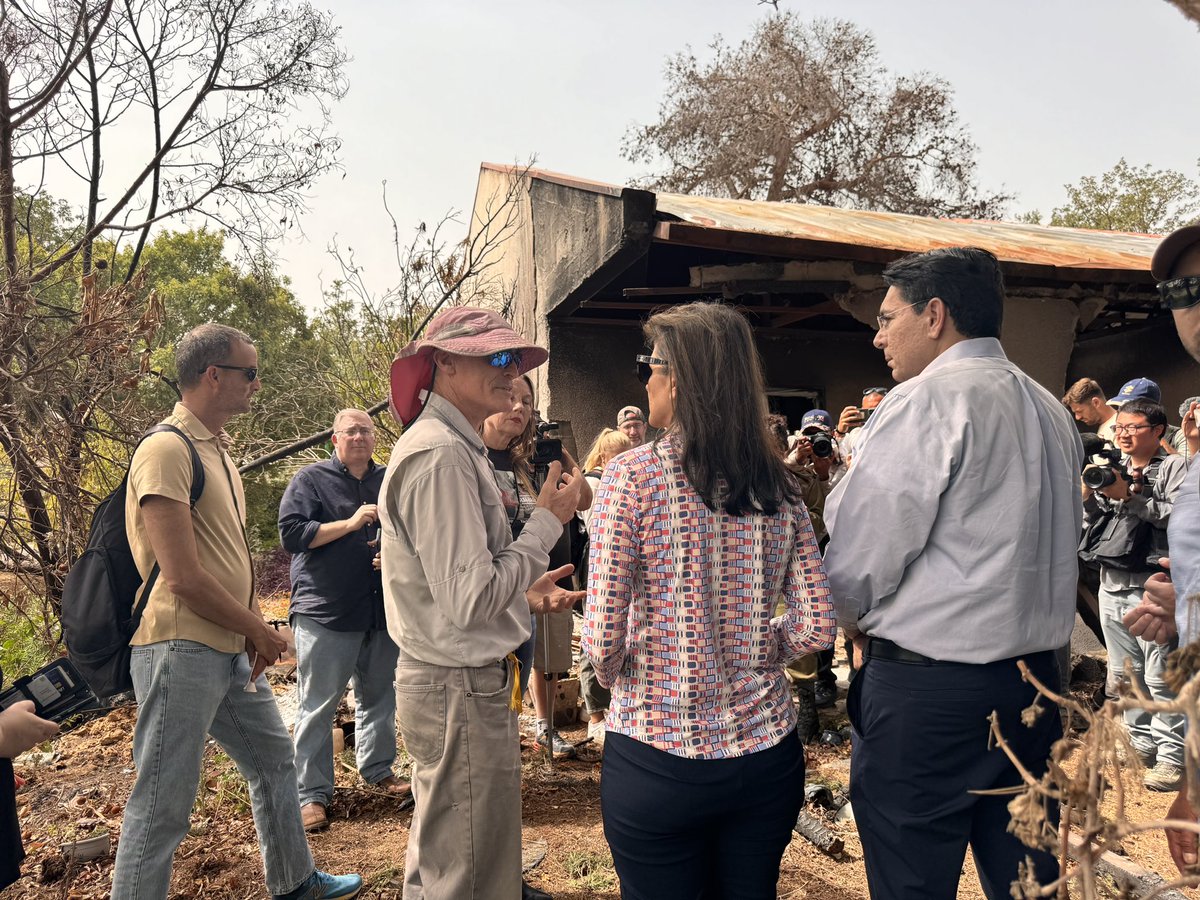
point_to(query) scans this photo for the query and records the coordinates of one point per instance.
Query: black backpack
(101, 606)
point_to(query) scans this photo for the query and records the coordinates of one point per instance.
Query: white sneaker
(596, 732)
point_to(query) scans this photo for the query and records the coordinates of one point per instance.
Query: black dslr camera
(822, 444)
(547, 448)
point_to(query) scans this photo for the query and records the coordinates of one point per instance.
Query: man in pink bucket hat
(458, 591)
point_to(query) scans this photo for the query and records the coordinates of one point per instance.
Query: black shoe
(529, 892)
(826, 695)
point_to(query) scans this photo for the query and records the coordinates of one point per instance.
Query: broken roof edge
(1062, 253)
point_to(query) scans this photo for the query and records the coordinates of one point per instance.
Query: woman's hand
(21, 728)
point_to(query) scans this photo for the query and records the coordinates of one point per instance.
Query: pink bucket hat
(465, 330)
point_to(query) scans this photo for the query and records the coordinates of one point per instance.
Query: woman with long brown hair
(694, 537)
(510, 437)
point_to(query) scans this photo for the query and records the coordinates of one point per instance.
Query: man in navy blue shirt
(329, 521)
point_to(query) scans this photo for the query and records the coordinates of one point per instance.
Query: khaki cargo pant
(465, 839)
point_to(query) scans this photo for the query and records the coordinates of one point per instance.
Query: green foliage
(25, 647)
(1130, 198)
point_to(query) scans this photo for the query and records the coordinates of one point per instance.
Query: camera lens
(1097, 477)
(822, 445)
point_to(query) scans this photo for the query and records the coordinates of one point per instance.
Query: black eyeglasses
(502, 359)
(643, 366)
(1180, 293)
(882, 392)
(251, 372)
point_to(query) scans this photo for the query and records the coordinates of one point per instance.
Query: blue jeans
(326, 661)
(1157, 733)
(187, 691)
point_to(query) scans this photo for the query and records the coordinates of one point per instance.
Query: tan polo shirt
(162, 467)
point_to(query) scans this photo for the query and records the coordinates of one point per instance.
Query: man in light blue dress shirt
(952, 554)
(1176, 266)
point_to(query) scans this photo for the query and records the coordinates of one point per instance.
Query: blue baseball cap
(1136, 389)
(817, 417)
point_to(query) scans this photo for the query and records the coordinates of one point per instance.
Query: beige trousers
(465, 838)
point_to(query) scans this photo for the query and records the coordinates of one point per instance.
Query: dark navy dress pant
(699, 829)
(920, 747)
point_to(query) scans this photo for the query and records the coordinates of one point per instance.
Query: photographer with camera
(1128, 492)
(513, 440)
(854, 418)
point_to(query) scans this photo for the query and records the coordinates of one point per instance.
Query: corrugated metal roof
(1035, 245)
(1010, 241)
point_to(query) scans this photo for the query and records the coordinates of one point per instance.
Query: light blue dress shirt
(1183, 537)
(955, 532)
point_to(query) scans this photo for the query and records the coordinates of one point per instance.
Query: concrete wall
(591, 372)
(1154, 352)
(1039, 336)
(591, 375)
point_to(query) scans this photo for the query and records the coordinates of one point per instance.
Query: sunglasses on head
(882, 392)
(502, 359)
(1180, 293)
(251, 372)
(644, 363)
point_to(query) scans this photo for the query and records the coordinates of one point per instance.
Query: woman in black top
(510, 437)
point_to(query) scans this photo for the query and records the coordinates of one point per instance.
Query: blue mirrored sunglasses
(502, 359)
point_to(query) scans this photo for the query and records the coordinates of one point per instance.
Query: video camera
(1103, 465)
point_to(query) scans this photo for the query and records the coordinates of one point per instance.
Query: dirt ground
(82, 781)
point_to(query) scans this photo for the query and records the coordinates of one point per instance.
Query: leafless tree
(1088, 777)
(139, 112)
(806, 112)
(363, 330)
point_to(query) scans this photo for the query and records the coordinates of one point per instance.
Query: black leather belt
(882, 648)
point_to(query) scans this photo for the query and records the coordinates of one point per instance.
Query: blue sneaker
(320, 886)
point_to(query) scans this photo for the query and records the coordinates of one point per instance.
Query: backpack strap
(197, 490)
(197, 465)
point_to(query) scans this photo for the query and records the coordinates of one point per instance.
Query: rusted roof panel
(1012, 242)
(1033, 245)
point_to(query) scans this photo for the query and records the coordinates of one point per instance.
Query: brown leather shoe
(313, 816)
(394, 786)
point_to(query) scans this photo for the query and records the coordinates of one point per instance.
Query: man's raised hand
(560, 492)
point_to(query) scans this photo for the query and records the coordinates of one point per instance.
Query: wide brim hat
(464, 330)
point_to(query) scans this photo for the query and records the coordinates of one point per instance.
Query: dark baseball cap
(1172, 247)
(1136, 389)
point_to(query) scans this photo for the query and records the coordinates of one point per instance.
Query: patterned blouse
(679, 610)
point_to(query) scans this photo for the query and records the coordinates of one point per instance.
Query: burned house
(585, 263)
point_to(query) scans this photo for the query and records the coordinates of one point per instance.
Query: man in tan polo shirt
(202, 645)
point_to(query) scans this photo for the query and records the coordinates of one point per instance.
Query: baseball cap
(817, 417)
(629, 414)
(1136, 389)
(1171, 248)
(465, 330)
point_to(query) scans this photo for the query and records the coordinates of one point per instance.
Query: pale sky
(1050, 90)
